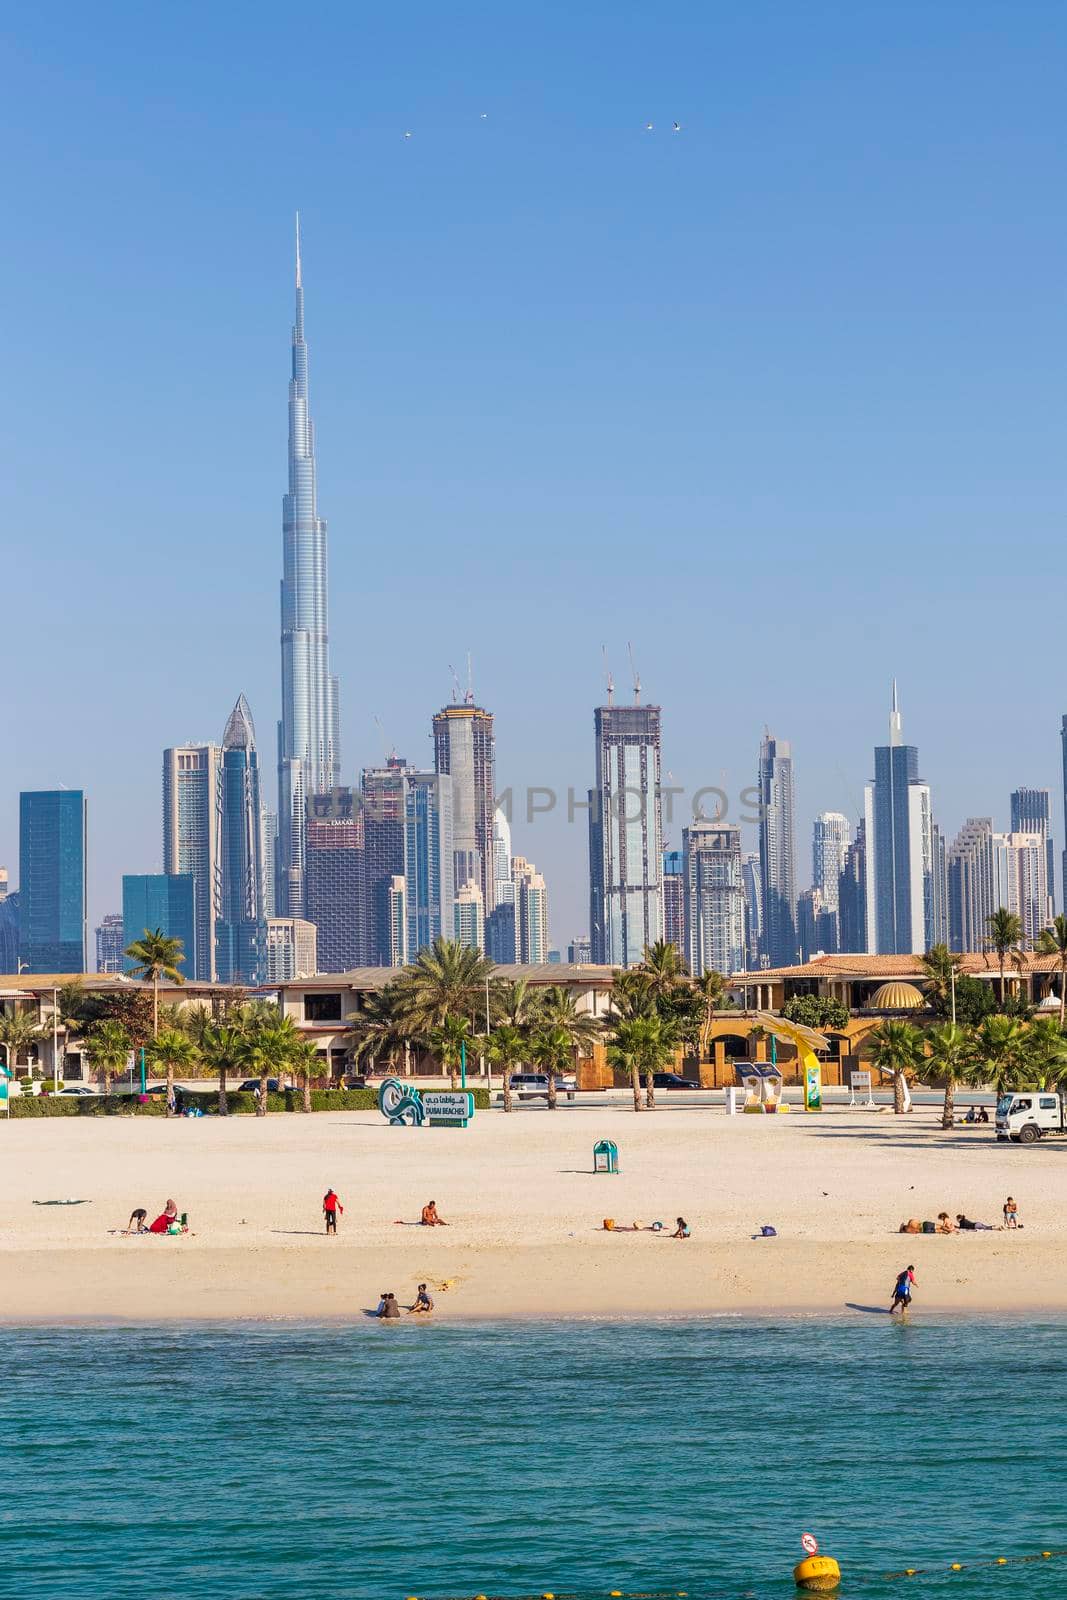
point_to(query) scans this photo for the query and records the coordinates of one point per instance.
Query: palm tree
(1005, 930)
(665, 969)
(1043, 1052)
(629, 1037)
(951, 1053)
(194, 1020)
(711, 991)
(507, 1046)
(378, 1031)
(552, 1049)
(267, 1047)
(449, 1041)
(999, 1046)
(939, 964)
(896, 1050)
(156, 956)
(1052, 941)
(108, 1045)
(305, 1060)
(173, 1049)
(220, 1048)
(18, 1030)
(446, 980)
(558, 1012)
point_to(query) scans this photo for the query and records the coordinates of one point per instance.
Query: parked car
(77, 1088)
(534, 1085)
(673, 1080)
(354, 1080)
(250, 1085)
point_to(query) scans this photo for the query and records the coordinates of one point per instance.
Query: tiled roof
(860, 967)
(562, 972)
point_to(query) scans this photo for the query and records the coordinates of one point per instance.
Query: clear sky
(779, 398)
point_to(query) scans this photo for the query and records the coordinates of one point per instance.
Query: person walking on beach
(902, 1291)
(330, 1207)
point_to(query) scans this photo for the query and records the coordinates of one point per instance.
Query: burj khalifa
(308, 739)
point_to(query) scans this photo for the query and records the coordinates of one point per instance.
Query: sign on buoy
(809, 1543)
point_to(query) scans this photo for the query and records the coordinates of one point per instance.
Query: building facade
(468, 917)
(625, 835)
(777, 850)
(714, 898)
(971, 885)
(110, 944)
(674, 899)
(290, 949)
(52, 881)
(464, 749)
(309, 746)
(1020, 880)
(334, 876)
(831, 837)
(166, 901)
(192, 835)
(501, 933)
(852, 895)
(532, 913)
(752, 879)
(899, 848)
(1031, 812)
(428, 854)
(382, 792)
(241, 912)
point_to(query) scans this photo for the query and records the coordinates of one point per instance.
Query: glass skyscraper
(308, 733)
(240, 934)
(625, 835)
(899, 849)
(162, 900)
(464, 749)
(192, 807)
(777, 850)
(428, 851)
(335, 897)
(52, 829)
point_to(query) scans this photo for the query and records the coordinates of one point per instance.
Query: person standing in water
(902, 1291)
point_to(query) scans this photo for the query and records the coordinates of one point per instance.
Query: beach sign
(406, 1107)
(809, 1544)
(812, 1086)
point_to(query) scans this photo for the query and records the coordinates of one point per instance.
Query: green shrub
(28, 1105)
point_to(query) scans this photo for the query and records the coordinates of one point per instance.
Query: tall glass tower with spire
(308, 740)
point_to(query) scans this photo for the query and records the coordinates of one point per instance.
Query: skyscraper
(9, 926)
(937, 930)
(162, 900)
(714, 898)
(464, 748)
(971, 885)
(752, 880)
(899, 848)
(501, 932)
(852, 896)
(1031, 812)
(674, 900)
(503, 882)
(777, 833)
(239, 932)
(334, 876)
(192, 832)
(1063, 763)
(531, 921)
(1020, 881)
(382, 796)
(428, 850)
(110, 944)
(831, 836)
(308, 733)
(625, 835)
(468, 917)
(52, 856)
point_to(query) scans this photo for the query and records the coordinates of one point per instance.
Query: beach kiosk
(605, 1156)
(806, 1042)
(761, 1082)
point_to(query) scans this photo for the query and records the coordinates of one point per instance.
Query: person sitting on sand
(972, 1116)
(389, 1306)
(423, 1301)
(1011, 1213)
(945, 1223)
(983, 1114)
(682, 1230)
(137, 1220)
(167, 1219)
(430, 1219)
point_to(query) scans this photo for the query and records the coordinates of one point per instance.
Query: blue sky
(778, 398)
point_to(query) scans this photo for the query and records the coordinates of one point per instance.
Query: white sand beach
(525, 1212)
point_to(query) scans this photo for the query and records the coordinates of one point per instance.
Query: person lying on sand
(965, 1225)
(423, 1301)
(945, 1223)
(430, 1219)
(913, 1225)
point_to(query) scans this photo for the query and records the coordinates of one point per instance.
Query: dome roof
(897, 997)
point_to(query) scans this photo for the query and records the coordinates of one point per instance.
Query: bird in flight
(648, 127)
(677, 128)
(407, 135)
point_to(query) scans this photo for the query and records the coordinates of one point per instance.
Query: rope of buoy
(972, 1566)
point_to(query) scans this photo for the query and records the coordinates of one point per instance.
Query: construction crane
(609, 680)
(637, 676)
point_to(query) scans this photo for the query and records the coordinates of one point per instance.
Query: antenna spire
(895, 721)
(299, 276)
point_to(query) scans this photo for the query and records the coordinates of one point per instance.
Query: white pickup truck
(1027, 1114)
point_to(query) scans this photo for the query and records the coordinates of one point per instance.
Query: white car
(534, 1085)
(77, 1088)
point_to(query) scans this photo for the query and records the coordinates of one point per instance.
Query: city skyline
(467, 485)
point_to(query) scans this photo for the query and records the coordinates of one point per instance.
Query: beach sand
(525, 1211)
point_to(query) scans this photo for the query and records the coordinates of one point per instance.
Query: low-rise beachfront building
(326, 1007)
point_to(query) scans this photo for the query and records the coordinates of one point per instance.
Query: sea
(310, 1461)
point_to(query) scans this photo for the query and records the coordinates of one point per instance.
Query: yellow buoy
(955, 1567)
(818, 1574)
(1002, 1561)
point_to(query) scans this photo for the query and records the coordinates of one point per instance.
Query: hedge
(238, 1103)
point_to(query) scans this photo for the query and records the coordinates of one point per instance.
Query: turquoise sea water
(285, 1462)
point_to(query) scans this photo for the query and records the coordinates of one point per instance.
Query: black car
(250, 1085)
(673, 1080)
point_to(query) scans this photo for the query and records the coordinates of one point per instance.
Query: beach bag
(609, 1224)
(767, 1232)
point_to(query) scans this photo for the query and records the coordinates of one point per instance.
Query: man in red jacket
(330, 1207)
